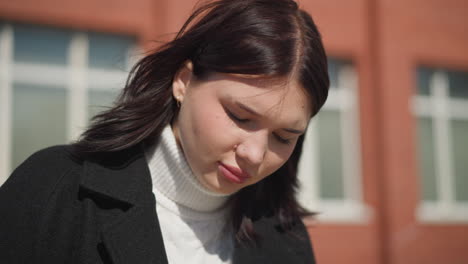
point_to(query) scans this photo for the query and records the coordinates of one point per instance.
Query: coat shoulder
(26, 195)
(42, 169)
(60, 156)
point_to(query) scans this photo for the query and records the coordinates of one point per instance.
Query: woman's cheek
(274, 162)
(223, 133)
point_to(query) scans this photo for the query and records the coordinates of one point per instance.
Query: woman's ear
(182, 80)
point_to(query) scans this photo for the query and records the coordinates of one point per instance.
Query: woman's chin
(222, 186)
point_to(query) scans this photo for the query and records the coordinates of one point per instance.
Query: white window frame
(75, 76)
(6, 58)
(441, 109)
(351, 209)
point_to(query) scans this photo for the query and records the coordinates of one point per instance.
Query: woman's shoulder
(36, 190)
(59, 156)
(41, 171)
(54, 155)
(51, 159)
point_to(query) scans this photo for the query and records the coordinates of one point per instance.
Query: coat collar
(122, 175)
(130, 228)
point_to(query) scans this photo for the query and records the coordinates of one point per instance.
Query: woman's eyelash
(240, 120)
(235, 118)
(282, 140)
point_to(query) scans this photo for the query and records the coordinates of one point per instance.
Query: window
(441, 110)
(329, 169)
(52, 81)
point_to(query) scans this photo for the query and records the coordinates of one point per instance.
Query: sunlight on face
(235, 131)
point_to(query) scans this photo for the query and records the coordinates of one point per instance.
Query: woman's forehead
(260, 81)
(280, 90)
(278, 100)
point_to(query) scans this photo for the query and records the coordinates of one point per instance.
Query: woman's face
(235, 131)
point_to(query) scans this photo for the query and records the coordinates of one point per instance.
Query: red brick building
(396, 126)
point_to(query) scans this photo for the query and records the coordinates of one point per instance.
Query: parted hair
(259, 38)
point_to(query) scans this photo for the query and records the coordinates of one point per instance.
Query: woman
(196, 161)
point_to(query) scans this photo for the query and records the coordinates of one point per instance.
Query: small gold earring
(178, 101)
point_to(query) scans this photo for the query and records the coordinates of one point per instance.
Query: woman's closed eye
(236, 118)
(282, 140)
(277, 137)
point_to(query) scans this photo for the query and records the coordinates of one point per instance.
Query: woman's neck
(173, 178)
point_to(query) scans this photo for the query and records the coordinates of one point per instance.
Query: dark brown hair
(261, 38)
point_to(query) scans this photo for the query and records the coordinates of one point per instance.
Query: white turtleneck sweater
(193, 219)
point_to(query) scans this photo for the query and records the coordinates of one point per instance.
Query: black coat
(56, 208)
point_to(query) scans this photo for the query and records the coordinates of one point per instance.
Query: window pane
(99, 100)
(40, 44)
(424, 76)
(460, 158)
(458, 84)
(39, 119)
(334, 67)
(108, 51)
(330, 155)
(426, 159)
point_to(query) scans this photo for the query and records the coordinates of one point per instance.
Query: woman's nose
(253, 148)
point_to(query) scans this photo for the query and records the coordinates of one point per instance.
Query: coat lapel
(130, 227)
(136, 238)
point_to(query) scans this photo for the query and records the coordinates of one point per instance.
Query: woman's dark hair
(260, 38)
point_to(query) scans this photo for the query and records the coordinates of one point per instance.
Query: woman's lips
(233, 174)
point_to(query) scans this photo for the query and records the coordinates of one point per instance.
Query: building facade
(386, 161)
